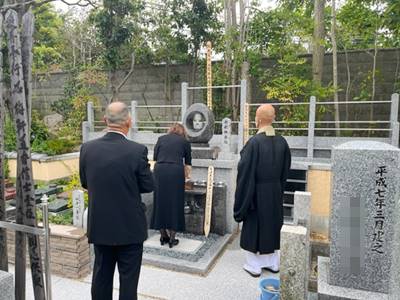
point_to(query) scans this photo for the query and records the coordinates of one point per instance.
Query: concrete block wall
(147, 85)
(69, 251)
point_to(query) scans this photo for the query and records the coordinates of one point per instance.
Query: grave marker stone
(78, 207)
(364, 228)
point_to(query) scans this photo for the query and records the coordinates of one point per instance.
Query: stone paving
(226, 280)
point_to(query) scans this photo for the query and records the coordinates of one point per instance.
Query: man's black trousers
(128, 258)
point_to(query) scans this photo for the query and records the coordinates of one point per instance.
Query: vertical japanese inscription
(378, 236)
(25, 188)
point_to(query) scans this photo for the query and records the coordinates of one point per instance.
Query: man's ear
(129, 122)
(105, 120)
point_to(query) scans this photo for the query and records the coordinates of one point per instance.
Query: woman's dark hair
(178, 129)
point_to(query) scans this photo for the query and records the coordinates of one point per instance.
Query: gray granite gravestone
(364, 230)
(195, 202)
(6, 286)
(199, 124)
(78, 208)
(58, 205)
(226, 134)
(226, 149)
(295, 257)
(302, 208)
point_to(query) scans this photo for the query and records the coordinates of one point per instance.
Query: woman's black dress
(170, 154)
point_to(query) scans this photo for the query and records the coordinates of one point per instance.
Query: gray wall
(148, 82)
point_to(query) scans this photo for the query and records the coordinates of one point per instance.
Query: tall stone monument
(364, 224)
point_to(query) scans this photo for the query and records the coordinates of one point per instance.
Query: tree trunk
(25, 186)
(348, 83)
(27, 59)
(396, 73)
(335, 69)
(371, 114)
(114, 91)
(228, 48)
(318, 41)
(234, 64)
(193, 72)
(116, 88)
(3, 233)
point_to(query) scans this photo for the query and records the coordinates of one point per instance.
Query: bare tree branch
(36, 3)
(129, 73)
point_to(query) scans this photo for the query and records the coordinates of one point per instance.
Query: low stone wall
(47, 168)
(70, 255)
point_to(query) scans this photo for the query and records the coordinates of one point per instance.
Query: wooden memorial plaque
(209, 197)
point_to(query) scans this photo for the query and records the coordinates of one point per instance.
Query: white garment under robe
(255, 262)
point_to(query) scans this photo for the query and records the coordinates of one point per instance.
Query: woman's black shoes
(164, 240)
(169, 241)
(173, 242)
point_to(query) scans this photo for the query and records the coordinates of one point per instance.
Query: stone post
(184, 99)
(78, 207)
(295, 261)
(311, 127)
(226, 134)
(243, 101)
(85, 131)
(302, 207)
(90, 116)
(134, 116)
(394, 120)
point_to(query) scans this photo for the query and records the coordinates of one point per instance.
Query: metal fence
(305, 133)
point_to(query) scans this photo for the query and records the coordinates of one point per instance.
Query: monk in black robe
(262, 173)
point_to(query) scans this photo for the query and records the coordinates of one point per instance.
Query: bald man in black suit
(115, 171)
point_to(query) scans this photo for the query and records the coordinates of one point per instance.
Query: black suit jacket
(115, 171)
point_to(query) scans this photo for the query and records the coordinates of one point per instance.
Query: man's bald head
(117, 117)
(265, 115)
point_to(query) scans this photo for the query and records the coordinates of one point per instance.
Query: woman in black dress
(173, 158)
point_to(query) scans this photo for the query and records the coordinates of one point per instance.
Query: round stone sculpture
(199, 123)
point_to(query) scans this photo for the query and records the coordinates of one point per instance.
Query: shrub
(75, 184)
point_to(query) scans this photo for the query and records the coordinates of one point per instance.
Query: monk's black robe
(262, 173)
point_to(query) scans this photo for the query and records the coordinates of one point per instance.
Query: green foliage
(48, 43)
(115, 24)
(361, 23)
(290, 79)
(64, 106)
(195, 22)
(220, 109)
(10, 138)
(60, 219)
(39, 134)
(282, 30)
(78, 91)
(75, 184)
(6, 169)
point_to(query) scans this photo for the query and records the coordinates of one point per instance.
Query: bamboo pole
(209, 76)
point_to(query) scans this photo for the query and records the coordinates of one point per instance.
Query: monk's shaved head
(265, 115)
